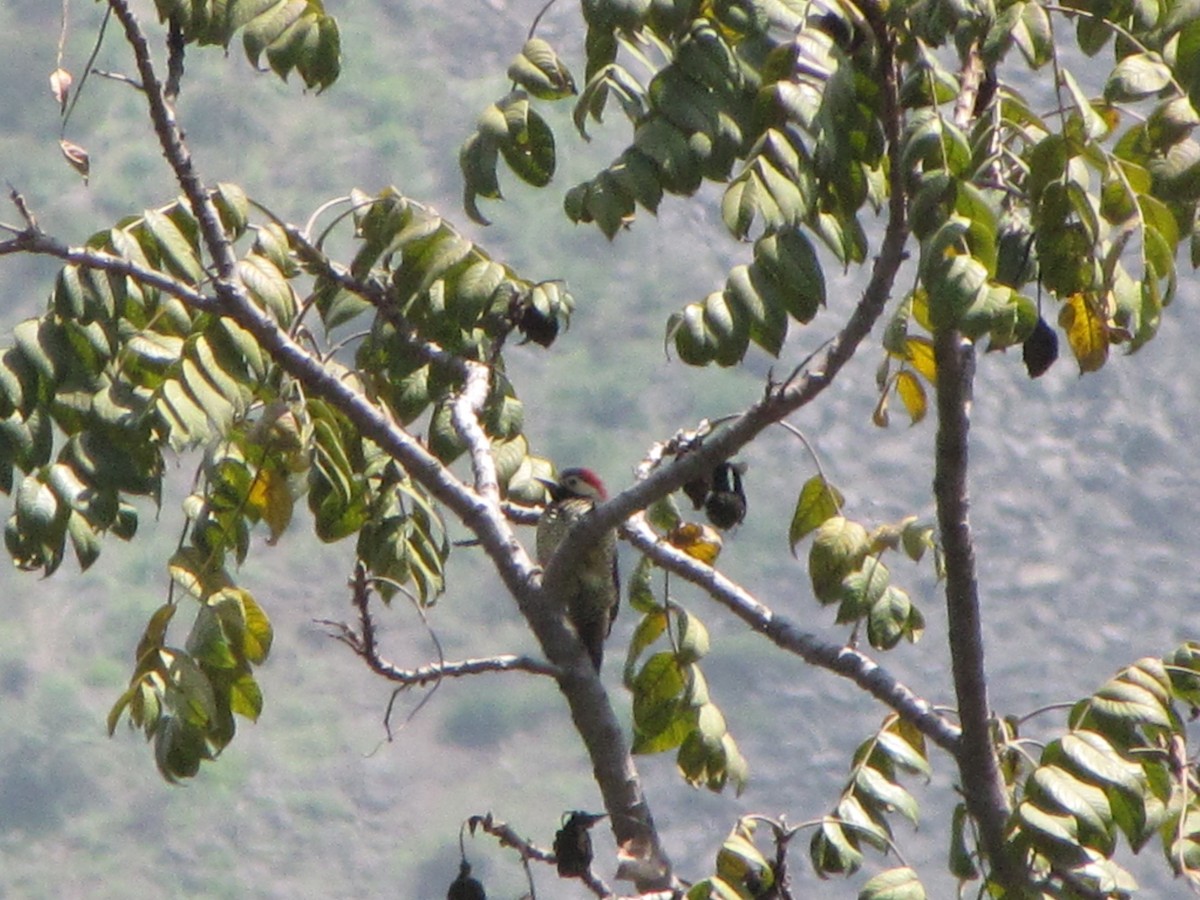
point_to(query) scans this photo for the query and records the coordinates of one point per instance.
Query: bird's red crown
(581, 482)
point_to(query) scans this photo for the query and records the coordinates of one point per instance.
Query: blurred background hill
(1084, 500)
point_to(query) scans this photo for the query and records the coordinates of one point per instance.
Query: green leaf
(1091, 756)
(890, 618)
(245, 697)
(662, 726)
(1183, 668)
(268, 286)
(1053, 786)
(739, 862)
(477, 160)
(885, 794)
(296, 34)
(529, 147)
(831, 852)
(84, 540)
(179, 253)
(768, 321)
(713, 889)
(641, 593)
(1132, 704)
(1053, 832)
(1136, 77)
(651, 627)
(818, 501)
(694, 343)
(903, 753)
(668, 147)
(179, 748)
(538, 69)
(691, 637)
(838, 549)
(861, 590)
(962, 863)
(789, 258)
(893, 884)
(1094, 125)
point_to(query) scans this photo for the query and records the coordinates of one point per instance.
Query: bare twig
(365, 644)
(509, 838)
(34, 241)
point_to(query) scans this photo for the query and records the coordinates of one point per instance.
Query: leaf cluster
(1121, 769)
(672, 708)
(292, 35)
(845, 564)
(872, 794)
(132, 360)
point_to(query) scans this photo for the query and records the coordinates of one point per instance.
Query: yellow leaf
(912, 395)
(920, 309)
(920, 356)
(256, 500)
(1086, 332)
(278, 511)
(700, 542)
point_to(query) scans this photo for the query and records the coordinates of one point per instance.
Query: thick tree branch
(593, 714)
(979, 768)
(780, 400)
(844, 661)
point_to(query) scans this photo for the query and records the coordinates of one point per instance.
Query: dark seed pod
(573, 844)
(464, 887)
(1040, 349)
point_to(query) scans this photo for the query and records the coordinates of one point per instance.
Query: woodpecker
(595, 592)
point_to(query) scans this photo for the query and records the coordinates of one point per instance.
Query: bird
(593, 596)
(726, 502)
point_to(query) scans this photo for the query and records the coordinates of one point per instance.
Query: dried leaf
(60, 86)
(77, 157)
(697, 541)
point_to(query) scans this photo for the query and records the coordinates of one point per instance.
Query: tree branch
(804, 386)
(594, 717)
(979, 768)
(845, 661)
(35, 241)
